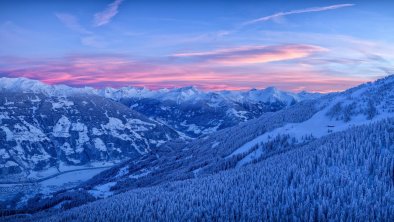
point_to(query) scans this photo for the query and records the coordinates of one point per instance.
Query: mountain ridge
(247, 143)
(188, 110)
(304, 151)
(23, 84)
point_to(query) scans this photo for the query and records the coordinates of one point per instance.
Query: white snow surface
(319, 125)
(99, 144)
(62, 127)
(102, 190)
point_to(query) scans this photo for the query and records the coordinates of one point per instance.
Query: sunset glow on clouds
(118, 71)
(119, 43)
(253, 54)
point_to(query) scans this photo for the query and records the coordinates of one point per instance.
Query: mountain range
(47, 129)
(257, 139)
(188, 110)
(322, 157)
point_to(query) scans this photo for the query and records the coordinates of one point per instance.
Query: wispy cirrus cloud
(104, 17)
(88, 38)
(299, 11)
(71, 22)
(253, 54)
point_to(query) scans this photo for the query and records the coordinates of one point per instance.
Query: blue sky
(294, 45)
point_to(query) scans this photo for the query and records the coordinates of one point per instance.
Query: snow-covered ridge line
(365, 104)
(182, 94)
(26, 85)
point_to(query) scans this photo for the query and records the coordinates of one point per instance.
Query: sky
(317, 46)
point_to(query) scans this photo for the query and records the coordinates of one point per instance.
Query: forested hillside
(255, 141)
(343, 176)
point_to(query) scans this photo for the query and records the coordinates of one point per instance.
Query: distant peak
(268, 89)
(187, 88)
(20, 83)
(26, 85)
(271, 88)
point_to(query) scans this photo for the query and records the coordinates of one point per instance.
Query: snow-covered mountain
(331, 157)
(344, 176)
(193, 112)
(25, 85)
(192, 93)
(257, 139)
(188, 110)
(51, 129)
(189, 93)
(40, 132)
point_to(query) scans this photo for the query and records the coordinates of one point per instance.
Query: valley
(251, 144)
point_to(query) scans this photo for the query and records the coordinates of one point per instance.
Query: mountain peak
(26, 85)
(186, 93)
(21, 84)
(187, 88)
(271, 88)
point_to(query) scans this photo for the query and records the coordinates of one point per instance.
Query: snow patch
(99, 144)
(62, 127)
(67, 149)
(122, 171)
(62, 104)
(4, 154)
(215, 144)
(140, 174)
(102, 191)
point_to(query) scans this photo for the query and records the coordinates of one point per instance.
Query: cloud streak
(253, 54)
(119, 70)
(104, 17)
(300, 11)
(87, 37)
(72, 23)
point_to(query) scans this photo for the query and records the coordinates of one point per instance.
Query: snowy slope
(273, 134)
(195, 113)
(260, 138)
(39, 132)
(344, 176)
(362, 105)
(45, 127)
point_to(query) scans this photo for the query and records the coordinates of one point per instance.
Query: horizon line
(187, 86)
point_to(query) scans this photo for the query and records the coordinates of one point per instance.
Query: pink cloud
(119, 71)
(253, 54)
